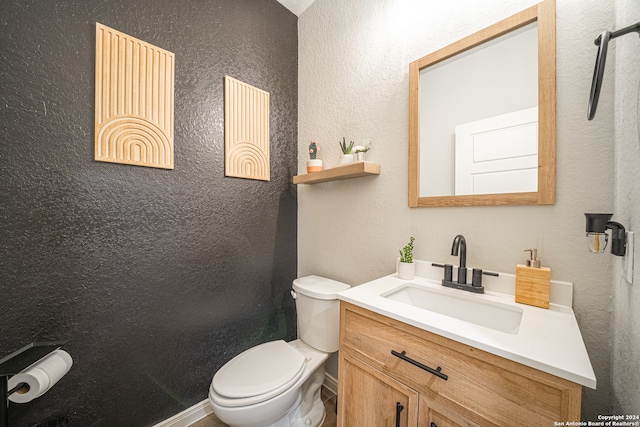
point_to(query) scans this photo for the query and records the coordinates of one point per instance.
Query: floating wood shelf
(349, 170)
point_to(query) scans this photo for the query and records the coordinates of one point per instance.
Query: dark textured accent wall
(157, 277)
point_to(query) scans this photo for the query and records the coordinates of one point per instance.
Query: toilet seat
(257, 374)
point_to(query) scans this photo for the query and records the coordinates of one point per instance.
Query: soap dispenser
(533, 283)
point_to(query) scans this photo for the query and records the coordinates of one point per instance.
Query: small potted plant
(346, 157)
(406, 265)
(359, 150)
(314, 164)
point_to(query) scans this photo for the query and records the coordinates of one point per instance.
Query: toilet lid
(263, 369)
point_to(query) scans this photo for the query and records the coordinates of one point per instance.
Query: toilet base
(311, 412)
(308, 411)
(306, 408)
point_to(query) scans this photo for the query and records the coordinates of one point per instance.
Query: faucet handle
(476, 278)
(448, 270)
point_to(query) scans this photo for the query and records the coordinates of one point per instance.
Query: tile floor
(328, 397)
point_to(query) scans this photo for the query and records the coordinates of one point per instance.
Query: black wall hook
(602, 41)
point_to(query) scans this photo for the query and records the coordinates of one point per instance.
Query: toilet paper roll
(40, 376)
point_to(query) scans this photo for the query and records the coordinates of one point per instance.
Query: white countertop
(548, 339)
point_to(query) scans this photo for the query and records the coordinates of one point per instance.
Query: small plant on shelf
(360, 150)
(314, 164)
(346, 149)
(367, 143)
(314, 147)
(406, 253)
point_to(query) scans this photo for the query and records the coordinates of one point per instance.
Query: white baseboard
(188, 416)
(330, 383)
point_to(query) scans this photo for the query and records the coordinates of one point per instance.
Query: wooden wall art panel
(246, 131)
(134, 101)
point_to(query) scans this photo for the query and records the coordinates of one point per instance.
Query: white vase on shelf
(314, 165)
(346, 158)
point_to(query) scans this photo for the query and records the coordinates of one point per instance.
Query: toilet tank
(318, 310)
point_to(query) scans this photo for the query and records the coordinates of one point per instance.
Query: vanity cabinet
(388, 402)
(439, 382)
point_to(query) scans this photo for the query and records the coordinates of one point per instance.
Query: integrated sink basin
(491, 314)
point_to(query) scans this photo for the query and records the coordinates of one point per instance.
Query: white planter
(346, 158)
(314, 165)
(360, 156)
(406, 270)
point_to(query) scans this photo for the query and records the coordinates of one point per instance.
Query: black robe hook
(602, 41)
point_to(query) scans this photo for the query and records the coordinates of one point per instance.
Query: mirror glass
(480, 135)
(482, 116)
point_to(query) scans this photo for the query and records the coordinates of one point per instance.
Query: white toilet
(277, 384)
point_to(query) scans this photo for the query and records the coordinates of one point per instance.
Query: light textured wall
(353, 82)
(626, 314)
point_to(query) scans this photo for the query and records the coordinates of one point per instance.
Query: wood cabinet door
(431, 416)
(367, 397)
(435, 419)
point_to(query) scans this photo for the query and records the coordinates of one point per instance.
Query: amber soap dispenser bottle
(533, 283)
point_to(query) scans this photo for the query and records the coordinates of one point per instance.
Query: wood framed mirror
(486, 174)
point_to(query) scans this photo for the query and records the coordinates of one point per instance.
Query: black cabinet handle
(435, 372)
(399, 409)
(433, 425)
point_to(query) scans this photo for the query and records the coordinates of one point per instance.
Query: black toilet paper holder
(16, 362)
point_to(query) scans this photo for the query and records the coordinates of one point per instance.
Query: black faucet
(460, 245)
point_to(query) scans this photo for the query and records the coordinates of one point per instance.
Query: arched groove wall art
(246, 131)
(134, 101)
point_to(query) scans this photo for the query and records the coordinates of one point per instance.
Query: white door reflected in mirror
(492, 80)
(497, 155)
